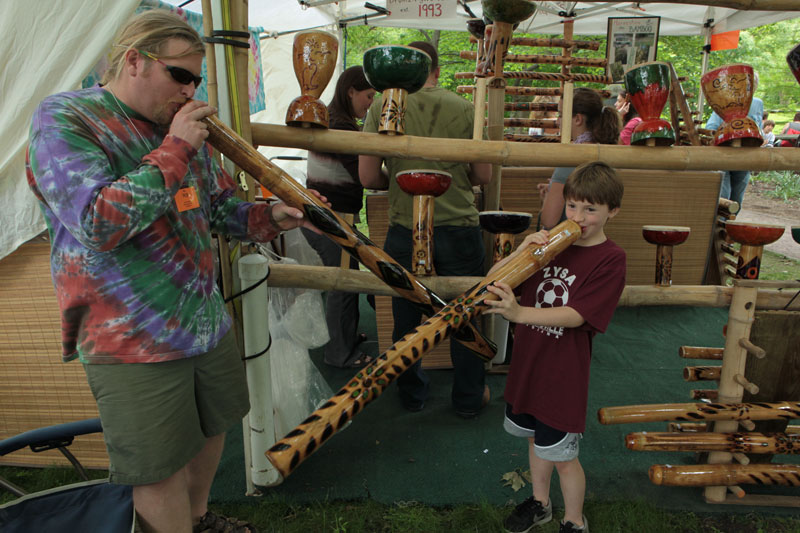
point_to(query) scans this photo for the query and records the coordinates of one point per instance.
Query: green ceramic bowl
(394, 66)
(511, 11)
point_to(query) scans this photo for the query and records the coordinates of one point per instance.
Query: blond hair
(149, 31)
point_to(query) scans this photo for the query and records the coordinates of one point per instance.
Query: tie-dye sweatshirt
(134, 276)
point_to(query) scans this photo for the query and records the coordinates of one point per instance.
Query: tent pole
(707, 29)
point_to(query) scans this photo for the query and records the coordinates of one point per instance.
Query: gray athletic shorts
(549, 443)
(158, 416)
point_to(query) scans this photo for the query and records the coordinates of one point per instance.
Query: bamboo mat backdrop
(652, 197)
(36, 388)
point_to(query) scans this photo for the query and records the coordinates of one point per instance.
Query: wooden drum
(648, 86)
(395, 71)
(424, 186)
(314, 56)
(665, 237)
(753, 238)
(729, 90)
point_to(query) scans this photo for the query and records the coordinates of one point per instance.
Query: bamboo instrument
(547, 76)
(626, 414)
(348, 237)
(711, 395)
(700, 352)
(516, 90)
(550, 43)
(374, 379)
(515, 137)
(531, 122)
(530, 106)
(725, 475)
(519, 154)
(543, 59)
(728, 206)
(761, 443)
(687, 427)
(702, 373)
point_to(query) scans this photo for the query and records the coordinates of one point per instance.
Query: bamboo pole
(759, 443)
(700, 352)
(757, 5)
(519, 90)
(702, 373)
(530, 122)
(521, 154)
(448, 287)
(530, 106)
(725, 475)
(661, 412)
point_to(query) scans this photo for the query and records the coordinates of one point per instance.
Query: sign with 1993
(420, 9)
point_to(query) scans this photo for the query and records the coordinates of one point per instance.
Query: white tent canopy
(51, 48)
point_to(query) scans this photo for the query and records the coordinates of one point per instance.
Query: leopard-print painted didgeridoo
(692, 412)
(771, 443)
(373, 379)
(725, 474)
(233, 146)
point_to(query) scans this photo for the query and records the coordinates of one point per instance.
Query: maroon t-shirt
(549, 374)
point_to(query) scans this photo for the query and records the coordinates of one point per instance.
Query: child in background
(562, 307)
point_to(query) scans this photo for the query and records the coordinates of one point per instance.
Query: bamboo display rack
(722, 424)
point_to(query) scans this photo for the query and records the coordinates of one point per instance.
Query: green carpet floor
(433, 457)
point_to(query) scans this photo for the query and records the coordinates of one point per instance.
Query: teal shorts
(157, 416)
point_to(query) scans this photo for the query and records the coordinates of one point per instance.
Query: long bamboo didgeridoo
(373, 379)
(771, 443)
(726, 474)
(227, 141)
(693, 412)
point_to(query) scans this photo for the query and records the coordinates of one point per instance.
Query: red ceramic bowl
(427, 182)
(504, 221)
(753, 234)
(670, 235)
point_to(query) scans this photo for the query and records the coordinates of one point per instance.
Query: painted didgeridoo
(375, 378)
(227, 141)
(693, 412)
(771, 443)
(725, 474)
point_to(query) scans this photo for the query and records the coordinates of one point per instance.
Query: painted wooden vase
(395, 71)
(793, 58)
(665, 237)
(424, 185)
(314, 56)
(729, 90)
(504, 225)
(648, 86)
(753, 237)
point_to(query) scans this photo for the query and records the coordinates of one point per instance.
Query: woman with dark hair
(337, 175)
(592, 122)
(630, 117)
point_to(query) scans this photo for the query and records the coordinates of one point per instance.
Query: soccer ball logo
(552, 293)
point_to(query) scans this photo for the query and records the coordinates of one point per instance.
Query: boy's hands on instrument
(507, 305)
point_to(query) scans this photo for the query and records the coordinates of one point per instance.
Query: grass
(781, 184)
(272, 514)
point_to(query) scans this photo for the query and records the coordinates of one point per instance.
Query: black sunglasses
(181, 75)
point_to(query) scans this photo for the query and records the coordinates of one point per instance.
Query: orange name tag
(186, 199)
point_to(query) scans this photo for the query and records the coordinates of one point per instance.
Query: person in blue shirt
(734, 182)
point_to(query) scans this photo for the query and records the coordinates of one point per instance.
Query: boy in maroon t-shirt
(561, 308)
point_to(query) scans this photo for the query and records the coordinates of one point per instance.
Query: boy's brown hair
(595, 182)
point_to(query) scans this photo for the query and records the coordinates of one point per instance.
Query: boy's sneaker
(569, 527)
(528, 514)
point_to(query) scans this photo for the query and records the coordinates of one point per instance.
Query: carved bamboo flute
(227, 141)
(373, 379)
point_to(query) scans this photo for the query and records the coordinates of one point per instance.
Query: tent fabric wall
(46, 50)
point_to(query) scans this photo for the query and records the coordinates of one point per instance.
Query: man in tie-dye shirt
(131, 196)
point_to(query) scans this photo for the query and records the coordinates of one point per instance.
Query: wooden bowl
(510, 11)
(752, 234)
(504, 221)
(669, 235)
(424, 182)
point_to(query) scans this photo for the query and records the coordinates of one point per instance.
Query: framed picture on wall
(631, 41)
